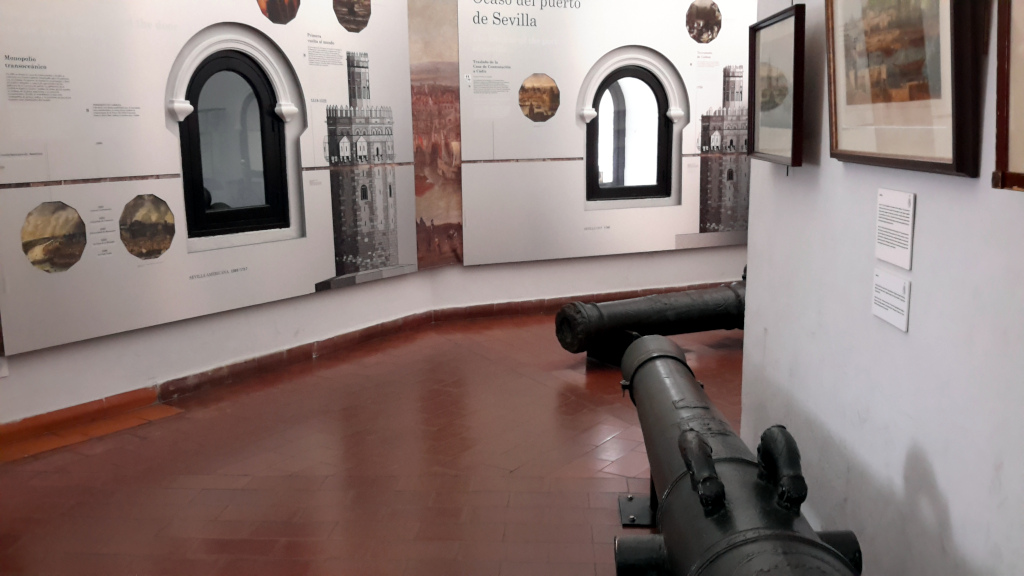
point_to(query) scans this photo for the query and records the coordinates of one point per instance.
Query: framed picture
(905, 81)
(776, 125)
(1010, 97)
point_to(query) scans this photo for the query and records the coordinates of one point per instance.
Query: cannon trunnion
(721, 510)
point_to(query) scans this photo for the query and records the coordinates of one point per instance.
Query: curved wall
(57, 378)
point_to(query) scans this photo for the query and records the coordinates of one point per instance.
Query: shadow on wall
(906, 532)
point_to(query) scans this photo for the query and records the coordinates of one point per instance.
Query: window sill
(209, 243)
(627, 203)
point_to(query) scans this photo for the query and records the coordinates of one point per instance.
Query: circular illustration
(774, 87)
(53, 237)
(703, 21)
(539, 97)
(279, 11)
(353, 15)
(147, 227)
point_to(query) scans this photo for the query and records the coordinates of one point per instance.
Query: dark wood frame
(663, 187)
(1002, 177)
(796, 158)
(273, 214)
(967, 39)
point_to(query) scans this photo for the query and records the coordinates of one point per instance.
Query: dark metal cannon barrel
(720, 509)
(582, 327)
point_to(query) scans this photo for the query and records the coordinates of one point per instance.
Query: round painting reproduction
(354, 15)
(53, 237)
(539, 97)
(774, 87)
(147, 227)
(279, 11)
(703, 21)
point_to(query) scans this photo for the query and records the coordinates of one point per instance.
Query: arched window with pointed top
(629, 142)
(233, 149)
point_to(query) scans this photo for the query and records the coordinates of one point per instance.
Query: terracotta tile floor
(472, 447)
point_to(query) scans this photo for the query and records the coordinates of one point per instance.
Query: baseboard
(78, 414)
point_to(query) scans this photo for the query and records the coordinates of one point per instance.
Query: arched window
(233, 149)
(730, 175)
(629, 142)
(364, 194)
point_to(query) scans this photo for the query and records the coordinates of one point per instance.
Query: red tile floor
(469, 447)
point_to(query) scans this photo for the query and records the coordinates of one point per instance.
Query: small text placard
(891, 299)
(894, 227)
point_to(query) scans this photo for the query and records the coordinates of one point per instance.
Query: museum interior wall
(195, 200)
(72, 374)
(910, 439)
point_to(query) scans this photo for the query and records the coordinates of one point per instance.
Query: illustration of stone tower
(358, 80)
(732, 87)
(724, 164)
(360, 148)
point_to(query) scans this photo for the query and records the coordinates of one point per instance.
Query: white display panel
(109, 290)
(525, 175)
(495, 233)
(84, 108)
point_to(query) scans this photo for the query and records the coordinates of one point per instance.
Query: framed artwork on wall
(775, 129)
(904, 83)
(1010, 97)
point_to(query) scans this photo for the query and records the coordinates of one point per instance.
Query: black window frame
(663, 186)
(272, 215)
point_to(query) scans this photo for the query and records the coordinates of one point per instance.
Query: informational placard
(891, 299)
(894, 225)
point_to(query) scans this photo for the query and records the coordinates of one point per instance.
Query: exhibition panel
(517, 128)
(240, 153)
(266, 149)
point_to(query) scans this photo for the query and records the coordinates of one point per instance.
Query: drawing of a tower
(724, 164)
(361, 151)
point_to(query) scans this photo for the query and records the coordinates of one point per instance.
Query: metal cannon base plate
(635, 511)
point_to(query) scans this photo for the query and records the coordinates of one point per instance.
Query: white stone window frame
(290, 108)
(678, 112)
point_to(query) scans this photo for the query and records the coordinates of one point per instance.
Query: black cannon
(605, 330)
(719, 509)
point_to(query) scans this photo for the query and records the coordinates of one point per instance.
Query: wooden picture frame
(905, 86)
(776, 113)
(1009, 172)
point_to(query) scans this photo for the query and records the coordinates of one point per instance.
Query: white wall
(56, 378)
(913, 440)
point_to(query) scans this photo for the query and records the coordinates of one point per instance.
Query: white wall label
(891, 299)
(894, 227)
